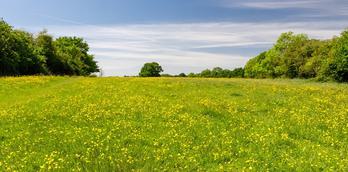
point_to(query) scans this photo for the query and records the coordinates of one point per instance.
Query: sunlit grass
(123, 124)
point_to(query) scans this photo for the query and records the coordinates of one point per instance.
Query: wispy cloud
(272, 4)
(122, 49)
(63, 20)
(319, 8)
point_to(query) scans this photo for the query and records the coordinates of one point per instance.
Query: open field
(123, 124)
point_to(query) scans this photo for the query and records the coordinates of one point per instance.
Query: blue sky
(183, 35)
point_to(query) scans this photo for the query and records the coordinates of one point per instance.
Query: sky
(182, 35)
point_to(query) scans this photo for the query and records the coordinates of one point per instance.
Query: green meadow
(172, 124)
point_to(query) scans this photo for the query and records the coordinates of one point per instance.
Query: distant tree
(151, 70)
(217, 72)
(182, 75)
(206, 73)
(226, 73)
(191, 75)
(166, 75)
(237, 73)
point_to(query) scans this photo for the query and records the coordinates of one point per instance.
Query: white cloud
(318, 8)
(276, 4)
(122, 49)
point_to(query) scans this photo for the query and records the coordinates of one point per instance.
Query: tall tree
(73, 57)
(45, 47)
(18, 54)
(338, 64)
(30, 62)
(8, 63)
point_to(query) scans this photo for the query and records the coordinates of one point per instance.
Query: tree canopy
(297, 56)
(218, 72)
(151, 70)
(21, 53)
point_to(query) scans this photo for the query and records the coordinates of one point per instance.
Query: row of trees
(218, 72)
(21, 53)
(297, 56)
(154, 69)
(292, 56)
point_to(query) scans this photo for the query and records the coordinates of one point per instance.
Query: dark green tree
(151, 70)
(206, 73)
(217, 72)
(191, 75)
(182, 75)
(22, 54)
(18, 55)
(237, 73)
(45, 47)
(73, 58)
(8, 59)
(338, 63)
(29, 61)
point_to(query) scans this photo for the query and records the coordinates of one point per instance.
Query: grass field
(159, 124)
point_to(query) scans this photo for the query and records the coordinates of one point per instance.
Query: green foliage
(151, 70)
(30, 62)
(191, 75)
(8, 63)
(73, 56)
(253, 68)
(236, 73)
(45, 47)
(297, 56)
(18, 55)
(218, 72)
(182, 75)
(315, 66)
(338, 64)
(205, 73)
(166, 75)
(169, 75)
(22, 54)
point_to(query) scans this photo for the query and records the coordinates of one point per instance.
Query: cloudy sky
(182, 35)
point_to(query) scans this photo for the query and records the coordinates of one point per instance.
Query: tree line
(292, 56)
(218, 72)
(298, 56)
(22, 53)
(154, 69)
